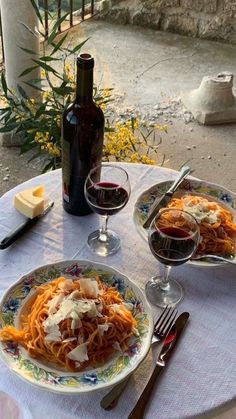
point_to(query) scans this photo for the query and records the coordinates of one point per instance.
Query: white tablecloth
(202, 372)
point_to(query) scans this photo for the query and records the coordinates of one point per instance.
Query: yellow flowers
(47, 95)
(131, 142)
(39, 118)
(103, 106)
(69, 74)
(161, 127)
(138, 158)
(53, 150)
(43, 139)
(58, 121)
(32, 105)
(133, 123)
(103, 97)
(120, 143)
(3, 101)
(107, 92)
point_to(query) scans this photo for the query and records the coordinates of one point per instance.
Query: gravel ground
(14, 169)
(148, 70)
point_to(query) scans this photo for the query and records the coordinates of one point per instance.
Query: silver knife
(110, 400)
(18, 231)
(163, 358)
(165, 199)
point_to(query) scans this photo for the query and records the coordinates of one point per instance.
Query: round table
(201, 373)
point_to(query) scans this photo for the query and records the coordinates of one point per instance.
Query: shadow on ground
(148, 70)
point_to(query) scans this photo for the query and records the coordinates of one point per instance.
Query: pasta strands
(120, 326)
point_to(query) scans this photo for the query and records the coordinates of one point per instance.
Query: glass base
(159, 296)
(104, 245)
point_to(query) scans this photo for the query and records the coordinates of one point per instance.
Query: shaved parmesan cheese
(70, 308)
(65, 310)
(202, 212)
(93, 310)
(99, 307)
(103, 328)
(66, 285)
(69, 340)
(52, 328)
(117, 347)
(75, 294)
(116, 307)
(53, 333)
(54, 302)
(52, 338)
(89, 287)
(79, 354)
(76, 322)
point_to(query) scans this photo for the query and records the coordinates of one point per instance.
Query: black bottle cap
(85, 61)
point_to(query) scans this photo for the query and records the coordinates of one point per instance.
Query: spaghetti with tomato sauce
(216, 223)
(74, 324)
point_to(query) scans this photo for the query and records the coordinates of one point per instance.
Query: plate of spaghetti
(74, 327)
(213, 206)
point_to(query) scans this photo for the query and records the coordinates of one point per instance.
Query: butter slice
(30, 202)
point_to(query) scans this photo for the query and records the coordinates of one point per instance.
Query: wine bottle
(82, 139)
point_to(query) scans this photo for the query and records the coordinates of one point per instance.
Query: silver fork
(215, 258)
(163, 324)
(161, 328)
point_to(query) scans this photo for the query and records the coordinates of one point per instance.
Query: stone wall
(209, 19)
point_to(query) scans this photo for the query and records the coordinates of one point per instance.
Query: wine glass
(173, 238)
(107, 191)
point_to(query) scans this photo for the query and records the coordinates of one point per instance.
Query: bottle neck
(84, 86)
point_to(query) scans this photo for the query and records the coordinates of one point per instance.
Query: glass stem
(165, 280)
(103, 230)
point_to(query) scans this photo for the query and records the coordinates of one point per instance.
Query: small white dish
(10, 408)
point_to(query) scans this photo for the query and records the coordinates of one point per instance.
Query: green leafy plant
(134, 142)
(38, 119)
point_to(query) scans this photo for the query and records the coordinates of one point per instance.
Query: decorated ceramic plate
(212, 191)
(53, 378)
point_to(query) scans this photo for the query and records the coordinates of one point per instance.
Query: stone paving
(148, 70)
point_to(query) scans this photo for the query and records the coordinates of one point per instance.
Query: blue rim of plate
(218, 193)
(52, 378)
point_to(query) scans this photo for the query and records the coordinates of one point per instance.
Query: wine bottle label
(66, 169)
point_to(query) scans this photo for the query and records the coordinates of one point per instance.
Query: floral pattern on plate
(147, 198)
(51, 378)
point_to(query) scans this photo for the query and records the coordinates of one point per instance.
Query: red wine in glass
(172, 245)
(173, 238)
(107, 198)
(107, 191)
